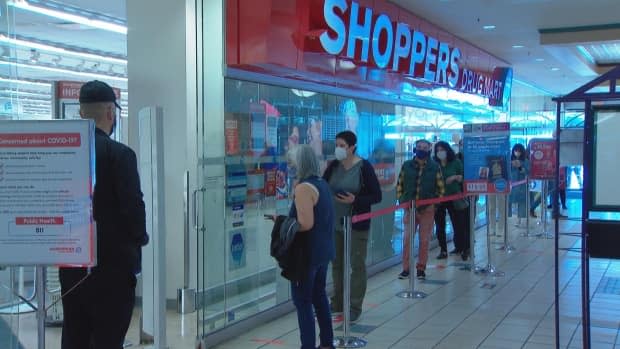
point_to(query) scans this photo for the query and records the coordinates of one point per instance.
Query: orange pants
(424, 220)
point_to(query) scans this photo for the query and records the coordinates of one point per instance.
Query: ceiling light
(517, 46)
(24, 82)
(95, 23)
(25, 93)
(302, 93)
(49, 48)
(540, 59)
(65, 71)
(488, 27)
(555, 69)
(34, 56)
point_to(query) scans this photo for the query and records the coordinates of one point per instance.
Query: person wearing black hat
(98, 302)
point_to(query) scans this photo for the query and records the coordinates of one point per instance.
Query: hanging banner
(542, 158)
(486, 149)
(47, 172)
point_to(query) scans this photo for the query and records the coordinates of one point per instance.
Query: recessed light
(488, 27)
(555, 69)
(540, 59)
(517, 46)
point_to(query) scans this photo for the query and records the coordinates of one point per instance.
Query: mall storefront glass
(238, 278)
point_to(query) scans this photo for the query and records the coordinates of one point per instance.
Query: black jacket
(290, 248)
(370, 192)
(118, 208)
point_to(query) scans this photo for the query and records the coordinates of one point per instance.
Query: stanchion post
(346, 297)
(41, 313)
(507, 247)
(490, 268)
(412, 229)
(347, 341)
(527, 206)
(411, 292)
(472, 231)
(553, 207)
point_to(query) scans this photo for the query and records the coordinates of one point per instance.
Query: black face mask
(422, 154)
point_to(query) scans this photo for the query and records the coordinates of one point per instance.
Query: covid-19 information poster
(486, 150)
(46, 187)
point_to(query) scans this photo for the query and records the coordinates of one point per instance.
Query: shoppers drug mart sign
(374, 39)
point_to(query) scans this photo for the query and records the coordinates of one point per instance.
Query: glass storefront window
(261, 123)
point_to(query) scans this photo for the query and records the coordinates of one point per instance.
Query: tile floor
(463, 309)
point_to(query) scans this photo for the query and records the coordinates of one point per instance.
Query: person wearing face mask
(452, 171)
(98, 302)
(355, 188)
(519, 169)
(419, 178)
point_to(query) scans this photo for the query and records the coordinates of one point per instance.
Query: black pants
(97, 313)
(459, 219)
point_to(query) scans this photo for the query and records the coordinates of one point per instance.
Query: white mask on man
(340, 153)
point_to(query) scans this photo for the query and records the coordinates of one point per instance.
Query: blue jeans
(308, 293)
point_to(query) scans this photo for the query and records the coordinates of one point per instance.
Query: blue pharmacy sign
(486, 149)
(237, 249)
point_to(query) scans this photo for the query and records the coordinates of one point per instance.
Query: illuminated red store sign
(371, 41)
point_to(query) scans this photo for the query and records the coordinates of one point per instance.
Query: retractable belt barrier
(384, 211)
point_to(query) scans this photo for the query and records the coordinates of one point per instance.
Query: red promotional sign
(542, 158)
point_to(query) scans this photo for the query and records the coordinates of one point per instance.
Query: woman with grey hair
(313, 208)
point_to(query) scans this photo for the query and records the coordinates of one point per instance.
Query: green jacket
(454, 167)
(431, 182)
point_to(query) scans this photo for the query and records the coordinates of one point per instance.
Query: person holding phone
(355, 188)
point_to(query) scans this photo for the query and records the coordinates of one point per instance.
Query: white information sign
(47, 174)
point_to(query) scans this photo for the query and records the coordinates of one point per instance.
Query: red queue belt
(406, 205)
(381, 212)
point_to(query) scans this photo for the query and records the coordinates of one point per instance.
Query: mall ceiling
(556, 45)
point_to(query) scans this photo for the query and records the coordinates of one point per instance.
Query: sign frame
(48, 178)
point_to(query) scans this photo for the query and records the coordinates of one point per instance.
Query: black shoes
(442, 255)
(465, 255)
(404, 275)
(421, 274)
(533, 214)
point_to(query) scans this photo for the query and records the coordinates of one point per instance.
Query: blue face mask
(422, 154)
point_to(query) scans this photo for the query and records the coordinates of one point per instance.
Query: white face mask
(340, 153)
(442, 155)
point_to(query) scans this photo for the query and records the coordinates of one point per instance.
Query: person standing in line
(98, 302)
(519, 169)
(355, 188)
(314, 210)
(419, 178)
(452, 171)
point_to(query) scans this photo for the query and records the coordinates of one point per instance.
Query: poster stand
(48, 178)
(489, 268)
